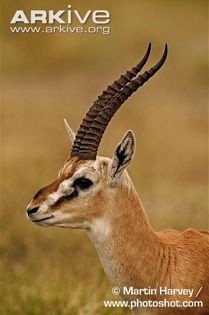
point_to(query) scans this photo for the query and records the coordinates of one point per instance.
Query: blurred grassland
(47, 77)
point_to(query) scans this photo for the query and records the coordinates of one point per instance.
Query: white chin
(44, 223)
(71, 225)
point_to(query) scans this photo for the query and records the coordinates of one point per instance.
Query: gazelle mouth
(44, 219)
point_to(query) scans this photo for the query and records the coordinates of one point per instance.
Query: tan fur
(131, 252)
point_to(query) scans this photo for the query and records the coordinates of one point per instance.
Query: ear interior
(123, 154)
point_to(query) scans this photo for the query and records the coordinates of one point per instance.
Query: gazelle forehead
(74, 168)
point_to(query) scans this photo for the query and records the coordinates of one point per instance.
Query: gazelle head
(87, 183)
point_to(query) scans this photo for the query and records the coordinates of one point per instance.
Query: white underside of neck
(100, 235)
(100, 231)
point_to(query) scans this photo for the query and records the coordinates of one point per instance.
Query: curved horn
(70, 132)
(104, 99)
(90, 144)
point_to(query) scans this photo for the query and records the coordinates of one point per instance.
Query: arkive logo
(68, 16)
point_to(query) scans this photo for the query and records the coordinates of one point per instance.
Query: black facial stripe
(65, 198)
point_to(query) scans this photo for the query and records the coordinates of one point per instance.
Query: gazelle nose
(32, 210)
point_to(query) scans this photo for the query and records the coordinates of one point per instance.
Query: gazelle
(95, 193)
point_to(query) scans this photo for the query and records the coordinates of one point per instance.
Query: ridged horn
(90, 142)
(104, 99)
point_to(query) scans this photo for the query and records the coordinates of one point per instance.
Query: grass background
(47, 77)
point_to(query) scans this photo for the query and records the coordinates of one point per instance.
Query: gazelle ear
(70, 132)
(123, 155)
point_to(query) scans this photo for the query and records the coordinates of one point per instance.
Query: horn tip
(166, 48)
(149, 47)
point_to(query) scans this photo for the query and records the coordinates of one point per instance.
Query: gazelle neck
(124, 238)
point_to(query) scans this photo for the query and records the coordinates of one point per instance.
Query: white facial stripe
(89, 172)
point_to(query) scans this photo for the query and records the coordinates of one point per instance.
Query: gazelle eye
(83, 183)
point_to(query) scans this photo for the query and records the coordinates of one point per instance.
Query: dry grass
(47, 78)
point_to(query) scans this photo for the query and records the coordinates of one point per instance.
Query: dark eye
(83, 183)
